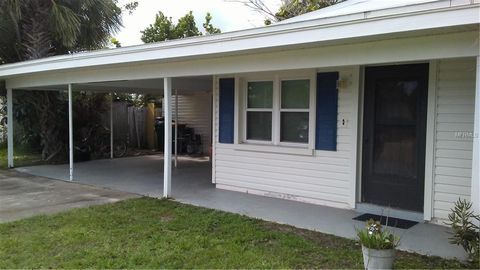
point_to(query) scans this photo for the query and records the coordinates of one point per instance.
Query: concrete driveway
(23, 195)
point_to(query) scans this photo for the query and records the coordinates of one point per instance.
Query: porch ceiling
(184, 86)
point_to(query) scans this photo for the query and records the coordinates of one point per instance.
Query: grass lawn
(22, 157)
(150, 233)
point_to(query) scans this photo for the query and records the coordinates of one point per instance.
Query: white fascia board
(309, 32)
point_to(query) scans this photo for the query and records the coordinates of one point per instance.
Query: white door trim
(430, 141)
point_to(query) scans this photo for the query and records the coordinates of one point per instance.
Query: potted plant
(378, 246)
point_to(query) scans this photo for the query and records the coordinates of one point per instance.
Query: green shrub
(372, 236)
(465, 228)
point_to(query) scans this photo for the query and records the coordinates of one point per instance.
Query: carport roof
(351, 21)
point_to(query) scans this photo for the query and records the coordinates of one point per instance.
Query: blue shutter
(226, 110)
(327, 110)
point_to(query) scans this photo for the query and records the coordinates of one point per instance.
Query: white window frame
(246, 110)
(277, 110)
(307, 110)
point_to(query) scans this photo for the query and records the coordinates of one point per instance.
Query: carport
(148, 175)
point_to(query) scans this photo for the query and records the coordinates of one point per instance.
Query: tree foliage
(164, 29)
(186, 27)
(292, 8)
(115, 42)
(207, 25)
(288, 8)
(32, 29)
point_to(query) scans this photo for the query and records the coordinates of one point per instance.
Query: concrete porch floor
(191, 184)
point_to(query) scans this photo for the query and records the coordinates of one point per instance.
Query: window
(278, 111)
(294, 111)
(259, 110)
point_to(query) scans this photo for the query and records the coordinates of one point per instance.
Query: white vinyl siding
(326, 177)
(195, 111)
(454, 116)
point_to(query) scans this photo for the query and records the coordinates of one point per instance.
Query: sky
(227, 15)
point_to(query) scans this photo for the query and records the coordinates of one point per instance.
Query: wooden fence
(128, 124)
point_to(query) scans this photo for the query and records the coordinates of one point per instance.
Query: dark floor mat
(392, 222)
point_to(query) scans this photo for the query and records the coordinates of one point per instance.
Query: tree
(288, 9)
(115, 42)
(38, 28)
(207, 25)
(33, 29)
(164, 29)
(292, 8)
(186, 27)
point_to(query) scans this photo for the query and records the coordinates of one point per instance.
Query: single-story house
(364, 104)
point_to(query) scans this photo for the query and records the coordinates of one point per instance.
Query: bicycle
(97, 143)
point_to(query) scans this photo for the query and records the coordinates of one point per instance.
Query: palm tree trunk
(36, 43)
(46, 105)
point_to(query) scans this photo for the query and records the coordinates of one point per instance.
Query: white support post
(70, 132)
(111, 125)
(176, 128)
(475, 198)
(10, 127)
(167, 166)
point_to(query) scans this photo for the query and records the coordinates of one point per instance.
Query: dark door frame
(387, 70)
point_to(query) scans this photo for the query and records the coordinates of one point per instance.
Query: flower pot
(378, 258)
